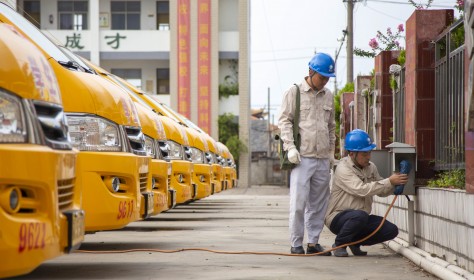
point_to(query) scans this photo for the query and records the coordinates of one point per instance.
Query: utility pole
(344, 33)
(269, 150)
(269, 128)
(350, 41)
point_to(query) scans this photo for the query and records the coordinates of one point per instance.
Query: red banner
(204, 65)
(184, 51)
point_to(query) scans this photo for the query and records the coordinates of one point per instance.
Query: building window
(73, 14)
(125, 15)
(163, 15)
(163, 81)
(133, 76)
(31, 11)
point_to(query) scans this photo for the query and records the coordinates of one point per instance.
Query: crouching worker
(356, 180)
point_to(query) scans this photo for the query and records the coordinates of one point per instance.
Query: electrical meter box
(388, 162)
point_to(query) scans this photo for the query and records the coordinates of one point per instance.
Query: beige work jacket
(316, 126)
(354, 188)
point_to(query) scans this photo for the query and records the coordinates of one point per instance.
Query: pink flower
(389, 31)
(400, 28)
(373, 43)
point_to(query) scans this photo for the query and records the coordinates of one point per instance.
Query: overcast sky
(286, 33)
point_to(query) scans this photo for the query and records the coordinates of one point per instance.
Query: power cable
(242, 252)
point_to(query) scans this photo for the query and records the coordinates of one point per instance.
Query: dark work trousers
(353, 225)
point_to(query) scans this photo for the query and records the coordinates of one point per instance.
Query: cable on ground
(241, 252)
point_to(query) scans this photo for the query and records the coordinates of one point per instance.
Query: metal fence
(449, 98)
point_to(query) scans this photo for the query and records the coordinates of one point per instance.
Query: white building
(177, 50)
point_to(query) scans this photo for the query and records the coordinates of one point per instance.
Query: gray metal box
(388, 162)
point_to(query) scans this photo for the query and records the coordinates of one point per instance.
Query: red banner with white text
(204, 65)
(184, 51)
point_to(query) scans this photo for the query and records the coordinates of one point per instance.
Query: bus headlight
(12, 119)
(89, 133)
(196, 155)
(150, 147)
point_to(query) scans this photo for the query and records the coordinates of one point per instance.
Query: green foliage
(393, 83)
(230, 85)
(457, 37)
(420, 6)
(236, 147)
(229, 135)
(451, 179)
(364, 53)
(228, 89)
(402, 58)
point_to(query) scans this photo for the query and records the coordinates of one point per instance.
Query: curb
(435, 266)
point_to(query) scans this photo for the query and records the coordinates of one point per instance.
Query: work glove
(404, 169)
(294, 155)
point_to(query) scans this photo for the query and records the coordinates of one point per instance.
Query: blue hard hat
(358, 141)
(323, 64)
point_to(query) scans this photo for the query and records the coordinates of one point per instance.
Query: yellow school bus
(201, 154)
(146, 188)
(217, 169)
(196, 150)
(211, 150)
(226, 165)
(172, 147)
(40, 214)
(160, 170)
(112, 166)
(233, 173)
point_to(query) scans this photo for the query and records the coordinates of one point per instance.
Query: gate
(449, 98)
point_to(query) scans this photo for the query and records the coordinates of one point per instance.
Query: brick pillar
(384, 121)
(422, 27)
(346, 119)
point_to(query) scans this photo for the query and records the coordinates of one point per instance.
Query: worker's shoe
(356, 251)
(317, 249)
(297, 250)
(340, 252)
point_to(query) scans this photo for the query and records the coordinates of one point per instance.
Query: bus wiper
(69, 64)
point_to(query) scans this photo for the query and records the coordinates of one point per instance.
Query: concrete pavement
(240, 219)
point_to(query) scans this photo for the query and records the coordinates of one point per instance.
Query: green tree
(229, 135)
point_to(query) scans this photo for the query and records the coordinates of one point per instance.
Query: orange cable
(243, 252)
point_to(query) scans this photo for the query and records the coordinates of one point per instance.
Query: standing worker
(309, 183)
(355, 181)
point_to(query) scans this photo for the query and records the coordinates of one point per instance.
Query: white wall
(229, 105)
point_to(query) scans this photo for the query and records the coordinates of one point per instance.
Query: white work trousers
(309, 195)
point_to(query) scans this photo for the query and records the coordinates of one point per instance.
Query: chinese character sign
(204, 64)
(184, 50)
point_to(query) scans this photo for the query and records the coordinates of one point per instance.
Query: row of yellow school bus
(82, 150)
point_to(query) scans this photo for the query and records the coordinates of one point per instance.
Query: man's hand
(294, 155)
(398, 179)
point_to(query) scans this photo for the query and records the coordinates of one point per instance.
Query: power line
(297, 58)
(404, 3)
